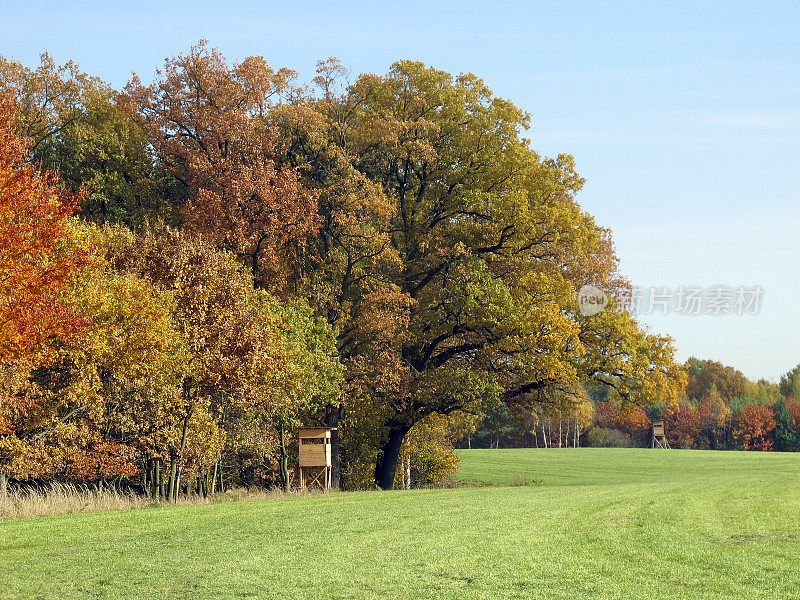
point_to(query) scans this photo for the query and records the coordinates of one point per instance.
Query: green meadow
(571, 523)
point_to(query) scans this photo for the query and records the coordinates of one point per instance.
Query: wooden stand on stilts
(314, 458)
(658, 438)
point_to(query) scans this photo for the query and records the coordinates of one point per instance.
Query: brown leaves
(207, 123)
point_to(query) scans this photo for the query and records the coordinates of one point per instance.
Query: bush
(601, 437)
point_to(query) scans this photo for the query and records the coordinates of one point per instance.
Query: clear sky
(683, 116)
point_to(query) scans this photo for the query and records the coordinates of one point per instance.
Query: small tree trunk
(575, 433)
(559, 429)
(333, 419)
(162, 485)
(284, 460)
(173, 478)
(151, 475)
(214, 477)
(3, 484)
(184, 434)
(544, 435)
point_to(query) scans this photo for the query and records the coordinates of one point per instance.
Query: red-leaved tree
(682, 425)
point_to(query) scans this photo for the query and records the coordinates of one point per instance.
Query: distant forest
(719, 409)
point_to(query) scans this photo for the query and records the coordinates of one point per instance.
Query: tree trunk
(3, 484)
(173, 478)
(162, 486)
(214, 477)
(148, 478)
(560, 432)
(333, 418)
(544, 434)
(184, 433)
(575, 433)
(284, 460)
(386, 465)
(155, 480)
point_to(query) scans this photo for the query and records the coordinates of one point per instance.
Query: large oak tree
(491, 249)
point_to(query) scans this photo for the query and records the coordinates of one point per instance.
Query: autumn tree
(754, 427)
(682, 425)
(252, 360)
(51, 97)
(714, 417)
(36, 261)
(490, 245)
(101, 404)
(703, 374)
(76, 127)
(627, 417)
(207, 123)
(136, 360)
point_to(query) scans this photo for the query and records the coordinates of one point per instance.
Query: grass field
(597, 523)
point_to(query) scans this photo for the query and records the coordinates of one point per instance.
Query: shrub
(601, 437)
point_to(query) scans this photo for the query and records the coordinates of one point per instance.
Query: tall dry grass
(65, 498)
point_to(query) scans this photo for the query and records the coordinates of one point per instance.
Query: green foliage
(106, 154)
(787, 437)
(790, 383)
(76, 128)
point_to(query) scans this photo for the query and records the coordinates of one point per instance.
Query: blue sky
(683, 117)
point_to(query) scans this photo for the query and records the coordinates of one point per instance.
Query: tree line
(194, 266)
(718, 409)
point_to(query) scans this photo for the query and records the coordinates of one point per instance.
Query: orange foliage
(34, 262)
(754, 427)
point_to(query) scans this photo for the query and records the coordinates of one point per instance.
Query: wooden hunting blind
(314, 457)
(659, 438)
